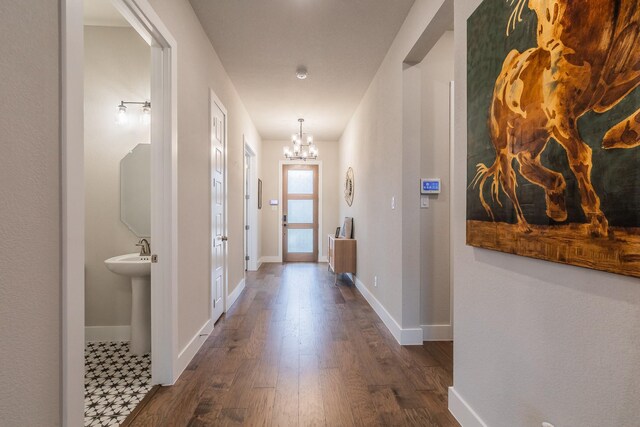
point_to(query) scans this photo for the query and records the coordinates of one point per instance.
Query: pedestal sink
(138, 268)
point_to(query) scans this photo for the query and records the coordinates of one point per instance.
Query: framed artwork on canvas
(553, 129)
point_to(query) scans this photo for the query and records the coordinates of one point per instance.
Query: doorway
(218, 134)
(300, 213)
(252, 202)
(140, 15)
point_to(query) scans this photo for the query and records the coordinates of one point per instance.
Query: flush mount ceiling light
(303, 146)
(301, 72)
(122, 117)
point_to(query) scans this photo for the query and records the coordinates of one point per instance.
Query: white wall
(30, 322)
(332, 193)
(437, 72)
(373, 145)
(117, 68)
(536, 340)
(200, 69)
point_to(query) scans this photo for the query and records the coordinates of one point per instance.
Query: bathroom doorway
(118, 238)
(157, 107)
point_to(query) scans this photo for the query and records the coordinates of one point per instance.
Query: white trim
(233, 296)
(252, 219)
(271, 259)
(323, 258)
(462, 412)
(190, 350)
(320, 205)
(452, 162)
(107, 333)
(411, 336)
(164, 196)
(437, 332)
(164, 165)
(72, 210)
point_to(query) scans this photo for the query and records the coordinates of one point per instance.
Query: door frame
(321, 257)
(252, 218)
(164, 226)
(213, 99)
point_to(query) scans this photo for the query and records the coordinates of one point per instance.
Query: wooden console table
(342, 255)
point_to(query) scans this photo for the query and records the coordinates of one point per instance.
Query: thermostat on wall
(430, 186)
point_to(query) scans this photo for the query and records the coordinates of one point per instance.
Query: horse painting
(586, 60)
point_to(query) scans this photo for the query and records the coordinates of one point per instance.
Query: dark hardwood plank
(295, 350)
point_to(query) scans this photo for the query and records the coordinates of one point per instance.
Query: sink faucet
(145, 248)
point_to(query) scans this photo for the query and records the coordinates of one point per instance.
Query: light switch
(424, 202)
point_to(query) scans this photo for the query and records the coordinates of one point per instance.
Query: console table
(342, 255)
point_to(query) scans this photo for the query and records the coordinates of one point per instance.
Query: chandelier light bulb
(302, 146)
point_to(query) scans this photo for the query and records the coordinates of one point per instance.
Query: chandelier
(303, 149)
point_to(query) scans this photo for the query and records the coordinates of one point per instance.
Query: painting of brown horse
(568, 77)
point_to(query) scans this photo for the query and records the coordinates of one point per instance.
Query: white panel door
(218, 197)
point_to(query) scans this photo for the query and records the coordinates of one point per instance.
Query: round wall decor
(348, 187)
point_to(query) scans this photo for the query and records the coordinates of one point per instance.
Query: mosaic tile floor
(115, 382)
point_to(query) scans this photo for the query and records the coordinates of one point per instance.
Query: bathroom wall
(117, 68)
(332, 179)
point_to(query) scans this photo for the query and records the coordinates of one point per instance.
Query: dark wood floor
(297, 350)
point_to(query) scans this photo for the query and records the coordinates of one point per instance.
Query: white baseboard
(233, 296)
(190, 350)
(270, 259)
(107, 333)
(462, 412)
(437, 332)
(411, 336)
(259, 264)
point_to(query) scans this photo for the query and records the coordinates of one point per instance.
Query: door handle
(224, 238)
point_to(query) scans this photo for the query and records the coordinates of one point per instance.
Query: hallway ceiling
(261, 43)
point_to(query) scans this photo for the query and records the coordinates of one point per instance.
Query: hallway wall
(30, 271)
(436, 73)
(199, 69)
(372, 146)
(331, 179)
(117, 68)
(536, 340)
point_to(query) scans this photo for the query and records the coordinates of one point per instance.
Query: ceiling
(341, 42)
(102, 13)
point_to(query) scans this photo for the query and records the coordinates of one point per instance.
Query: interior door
(247, 207)
(300, 213)
(218, 238)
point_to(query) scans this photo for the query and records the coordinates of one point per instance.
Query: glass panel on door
(300, 181)
(300, 211)
(301, 240)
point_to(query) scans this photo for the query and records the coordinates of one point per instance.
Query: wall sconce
(123, 119)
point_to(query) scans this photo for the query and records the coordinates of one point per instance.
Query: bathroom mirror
(135, 190)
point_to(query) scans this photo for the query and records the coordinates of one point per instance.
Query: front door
(300, 213)
(218, 238)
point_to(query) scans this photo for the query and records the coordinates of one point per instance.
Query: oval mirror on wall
(135, 190)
